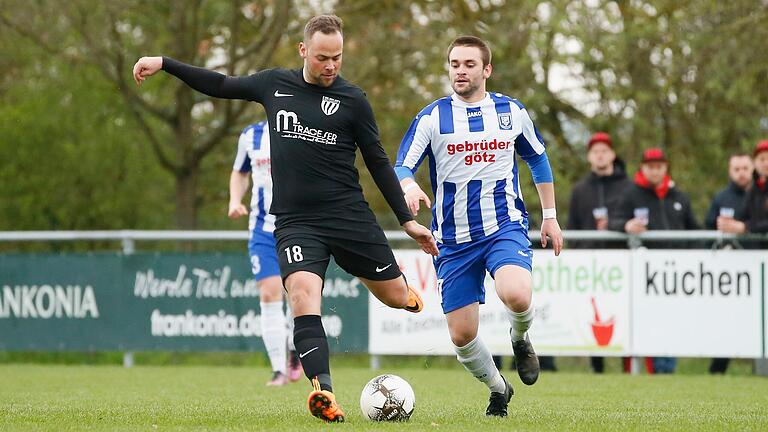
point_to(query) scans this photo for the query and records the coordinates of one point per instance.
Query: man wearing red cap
(596, 197)
(653, 203)
(757, 198)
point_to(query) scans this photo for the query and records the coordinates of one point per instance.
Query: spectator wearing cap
(654, 203)
(756, 201)
(596, 197)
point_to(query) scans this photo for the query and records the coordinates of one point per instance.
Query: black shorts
(360, 249)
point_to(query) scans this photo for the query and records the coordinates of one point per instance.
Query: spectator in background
(727, 211)
(726, 214)
(654, 203)
(595, 198)
(756, 212)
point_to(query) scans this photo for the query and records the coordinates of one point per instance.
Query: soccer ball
(387, 398)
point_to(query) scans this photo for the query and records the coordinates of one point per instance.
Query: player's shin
(478, 361)
(312, 346)
(520, 322)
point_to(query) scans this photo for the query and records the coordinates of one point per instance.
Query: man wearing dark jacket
(756, 215)
(726, 214)
(597, 197)
(727, 211)
(653, 203)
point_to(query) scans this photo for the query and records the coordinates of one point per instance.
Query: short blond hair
(325, 24)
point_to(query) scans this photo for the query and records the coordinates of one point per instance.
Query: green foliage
(686, 76)
(72, 158)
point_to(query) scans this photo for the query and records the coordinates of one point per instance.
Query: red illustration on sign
(603, 330)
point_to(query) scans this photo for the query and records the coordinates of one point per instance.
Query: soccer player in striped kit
(479, 219)
(253, 161)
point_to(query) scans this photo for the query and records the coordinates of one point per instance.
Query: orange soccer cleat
(415, 304)
(322, 404)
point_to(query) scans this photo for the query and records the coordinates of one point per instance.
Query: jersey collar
(461, 103)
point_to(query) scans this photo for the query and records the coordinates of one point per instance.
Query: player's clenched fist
(146, 66)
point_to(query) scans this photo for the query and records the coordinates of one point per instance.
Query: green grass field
(158, 398)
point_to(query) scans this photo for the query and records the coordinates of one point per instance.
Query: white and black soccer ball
(387, 398)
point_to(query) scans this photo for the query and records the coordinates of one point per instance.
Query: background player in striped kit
(479, 219)
(253, 161)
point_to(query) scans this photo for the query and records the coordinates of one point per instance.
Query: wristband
(549, 213)
(410, 186)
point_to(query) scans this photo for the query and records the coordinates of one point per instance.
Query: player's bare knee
(271, 289)
(462, 337)
(518, 300)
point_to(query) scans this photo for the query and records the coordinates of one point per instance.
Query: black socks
(312, 346)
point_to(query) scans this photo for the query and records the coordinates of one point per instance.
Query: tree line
(82, 148)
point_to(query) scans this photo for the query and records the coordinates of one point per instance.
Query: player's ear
(302, 50)
(487, 71)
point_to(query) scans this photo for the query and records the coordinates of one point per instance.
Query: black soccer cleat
(526, 360)
(498, 402)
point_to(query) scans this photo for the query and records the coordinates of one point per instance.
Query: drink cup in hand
(727, 212)
(642, 215)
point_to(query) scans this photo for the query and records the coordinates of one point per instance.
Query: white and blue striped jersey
(473, 169)
(253, 156)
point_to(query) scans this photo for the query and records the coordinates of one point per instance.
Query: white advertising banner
(699, 303)
(582, 302)
(581, 299)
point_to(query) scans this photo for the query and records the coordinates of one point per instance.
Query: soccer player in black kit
(317, 120)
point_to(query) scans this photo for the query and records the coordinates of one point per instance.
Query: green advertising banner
(154, 301)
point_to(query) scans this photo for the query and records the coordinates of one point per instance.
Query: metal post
(128, 359)
(761, 366)
(634, 365)
(375, 362)
(129, 246)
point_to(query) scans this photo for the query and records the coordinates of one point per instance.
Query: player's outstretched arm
(549, 226)
(423, 237)
(203, 80)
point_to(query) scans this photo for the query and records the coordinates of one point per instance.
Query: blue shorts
(461, 268)
(261, 248)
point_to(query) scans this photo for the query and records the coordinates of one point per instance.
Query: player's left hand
(237, 210)
(413, 198)
(423, 237)
(550, 228)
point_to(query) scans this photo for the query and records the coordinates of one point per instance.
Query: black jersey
(314, 132)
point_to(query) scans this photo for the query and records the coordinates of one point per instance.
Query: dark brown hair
(472, 41)
(325, 24)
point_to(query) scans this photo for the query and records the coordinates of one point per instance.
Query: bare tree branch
(157, 148)
(125, 87)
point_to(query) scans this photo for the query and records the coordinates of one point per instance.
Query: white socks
(289, 321)
(478, 361)
(521, 322)
(273, 333)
